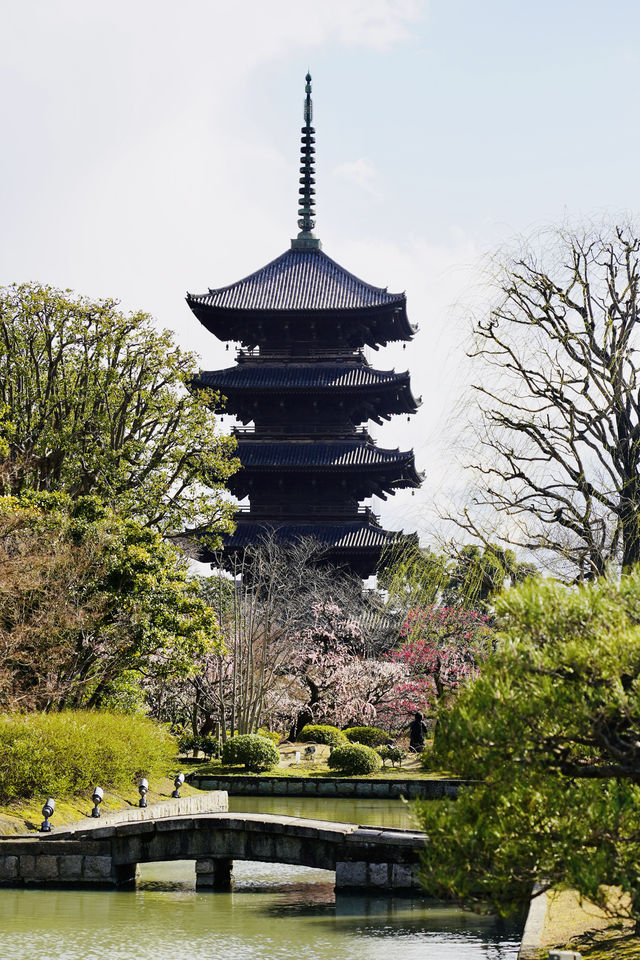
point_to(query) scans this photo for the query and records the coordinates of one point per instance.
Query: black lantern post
(97, 797)
(47, 811)
(143, 789)
(178, 781)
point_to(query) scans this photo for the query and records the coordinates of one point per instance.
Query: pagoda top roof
(305, 376)
(299, 280)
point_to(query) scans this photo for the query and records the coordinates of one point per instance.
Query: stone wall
(31, 862)
(214, 801)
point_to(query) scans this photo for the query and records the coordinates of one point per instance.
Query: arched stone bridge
(362, 857)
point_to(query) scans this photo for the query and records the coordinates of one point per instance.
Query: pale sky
(151, 148)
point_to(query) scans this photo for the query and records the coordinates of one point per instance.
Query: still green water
(276, 912)
(385, 813)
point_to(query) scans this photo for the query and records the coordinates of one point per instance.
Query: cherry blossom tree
(288, 648)
(333, 679)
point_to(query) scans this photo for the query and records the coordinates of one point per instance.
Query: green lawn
(312, 769)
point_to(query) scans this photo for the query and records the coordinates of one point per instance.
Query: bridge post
(214, 874)
(126, 874)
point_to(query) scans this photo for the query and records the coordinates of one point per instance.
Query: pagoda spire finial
(306, 239)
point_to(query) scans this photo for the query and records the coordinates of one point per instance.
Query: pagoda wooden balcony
(268, 513)
(301, 353)
(306, 432)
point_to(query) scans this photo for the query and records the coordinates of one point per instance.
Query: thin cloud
(363, 174)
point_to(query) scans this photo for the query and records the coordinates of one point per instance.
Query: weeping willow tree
(463, 576)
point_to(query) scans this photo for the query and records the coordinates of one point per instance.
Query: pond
(276, 912)
(377, 813)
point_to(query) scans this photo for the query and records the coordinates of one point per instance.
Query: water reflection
(276, 912)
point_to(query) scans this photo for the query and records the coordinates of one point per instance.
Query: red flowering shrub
(442, 648)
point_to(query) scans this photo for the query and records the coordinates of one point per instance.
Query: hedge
(392, 754)
(62, 754)
(370, 736)
(322, 733)
(255, 752)
(190, 743)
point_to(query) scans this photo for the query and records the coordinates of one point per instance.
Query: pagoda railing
(309, 430)
(325, 512)
(309, 353)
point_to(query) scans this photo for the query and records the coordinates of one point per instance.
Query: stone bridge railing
(362, 857)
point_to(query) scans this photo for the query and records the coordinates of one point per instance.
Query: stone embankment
(343, 787)
(559, 917)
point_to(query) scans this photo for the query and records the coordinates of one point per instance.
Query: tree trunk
(630, 522)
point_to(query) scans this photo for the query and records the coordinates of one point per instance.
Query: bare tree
(559, 403)
(264, 610)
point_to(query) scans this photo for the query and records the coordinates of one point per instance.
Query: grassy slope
(27, 815)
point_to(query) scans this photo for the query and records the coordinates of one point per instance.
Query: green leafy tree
(95, 401)
(551, 730)
(90, 604)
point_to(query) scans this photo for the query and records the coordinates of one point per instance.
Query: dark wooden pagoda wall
(286, 484)
(305, 419)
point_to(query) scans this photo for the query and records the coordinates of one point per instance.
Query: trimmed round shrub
(62, 754)
(322, 733)
(392, 754)
(370, 736)
(187, 743)
(270, 735)
(255, 752)
(209, 746)
(355, 758)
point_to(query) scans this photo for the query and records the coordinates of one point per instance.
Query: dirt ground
(567, 917)
(572, 923)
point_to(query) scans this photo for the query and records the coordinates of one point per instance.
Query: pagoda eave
(240, 388)
(361, 325)
(316, 455)
(375, 482)
(354, 545)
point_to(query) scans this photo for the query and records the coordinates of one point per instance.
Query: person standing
(417, 731)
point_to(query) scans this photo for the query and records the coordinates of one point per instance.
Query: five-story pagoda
(305, 388)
